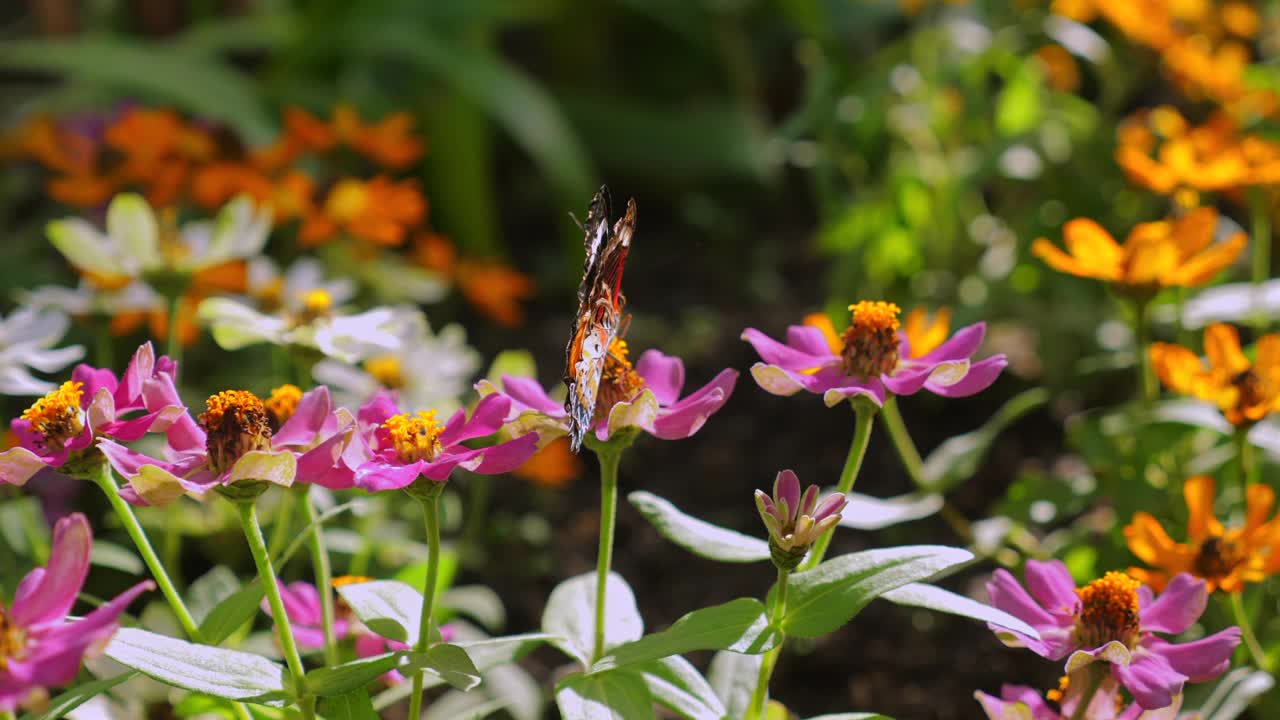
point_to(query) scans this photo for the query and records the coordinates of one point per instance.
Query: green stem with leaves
(759, 696)
(247, 509)
(864, 419)
(104, 479)
(1260, 657)
(429, 498)
(914, 466)
(609, 459)
(324, 575)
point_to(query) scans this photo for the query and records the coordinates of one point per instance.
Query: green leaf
(110, 555)
(697, 536)
(1233, 694)
(232, 613)
(213, 671)
(733, 678)
(514, 101)
(390, 608)
(151, 71)
(870, 513)
(1018, 106)
(676, 684)
(415, 575)
(932, 597)
(570, 615)
(618, 695)
(957, 459)
(451, 663)
(477, 602)
(210, 590)
(830, 595)
(60, 706)
(491, 653)
(740, 625)
(353, 675)
(354, 705)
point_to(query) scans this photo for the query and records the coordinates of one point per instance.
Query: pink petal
(486, 419)
(1200, 660)
(314, 408)
(960, 346)
(379, 408)
(184, 434)
(870, 388)
(526, 393)
(68, 566)
(785, 356)
(141, 367)
(376, 475)
(908, 381)
(18, 465)
(786, 489)
(322, 465)
(663, 374)
(1151, 680)
(1181, 603)
(1052, 586)
(93, 380)
(687, 417)
(980, 377)
(507, 456)
(808, 339)
(1007, 595)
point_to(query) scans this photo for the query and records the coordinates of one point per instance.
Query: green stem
(1142, 332)
(173, 347)
(324, 575)
(759, 696)
(609, 459)
(864, 418)
(1246, 631)
(103, 478)
(1261, 261)
(1249, 467)
(481, 489)
(1095, 677)
(248, 511)
(280, 525)
(430, 502)
(914, 466)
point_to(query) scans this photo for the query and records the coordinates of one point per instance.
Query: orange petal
(1150, 262)
(1199, 492)
(1091, 244)
(1155, 579)
(1259, 500)
(1194, 231)
(1144, 171)
(1267, 355)
(1201, 268)
(1177, 367)
(822, 321)
(1149, 542)
(1222, 346)
(1062, 262)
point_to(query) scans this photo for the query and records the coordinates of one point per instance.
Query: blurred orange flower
(1159, 151)
(554, 466)
(1225, 558)
(390, 142)
(1160, 254)
(1244, 391)
(494, 289)
(380, 211)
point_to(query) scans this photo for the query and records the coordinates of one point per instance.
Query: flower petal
(1202, 659)
(1052, 586)
(1199, 493)
(640, 412)
(1182, 602)
(304, 426)
(1222, 347)
(962, 345)
(64, 575)
(687, 416)
(981, 375)
(526, 393)
(486, 419)
(663, 374)
(278, 467)
(1151, 680)
(18, 465)
(507, 456)
(785, 356)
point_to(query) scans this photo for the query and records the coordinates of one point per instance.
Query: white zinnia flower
(27, 338)
(429, 371)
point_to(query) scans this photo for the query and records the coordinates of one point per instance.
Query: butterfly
(599, 319)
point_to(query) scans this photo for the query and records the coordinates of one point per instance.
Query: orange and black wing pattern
(599, 317)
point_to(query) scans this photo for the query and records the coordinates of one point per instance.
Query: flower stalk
(1260, 657)
(1142, 332)
(427, 493)
(914, 466)
(1260, 264)
(609, 456)
(864, 417)
(759, 696)
(324, 575)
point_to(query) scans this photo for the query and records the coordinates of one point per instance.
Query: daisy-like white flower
(60, 428)
(87, 299)
(644, 397)
(27, 340)
(871, 358)
(40, 646)
(1116, 620)
(428, 371)
(288, 436)
(136, 244)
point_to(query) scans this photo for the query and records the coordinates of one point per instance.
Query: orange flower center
(415, 436)
(347, 200)
(1217, 557)
(1249, 387)
(1109, 611)
(282, 404)
(386, 370)
(619, 381)
(57, 417)
(236, 422)
(871, 341)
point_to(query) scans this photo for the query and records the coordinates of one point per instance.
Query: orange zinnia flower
(1155, 255)
(1158, 151)
(388, 142)
(1245, 392)
(493, 288)
(554, 466)
(1225, 558)
(380, 211)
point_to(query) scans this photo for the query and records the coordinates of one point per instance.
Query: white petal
(132, 226)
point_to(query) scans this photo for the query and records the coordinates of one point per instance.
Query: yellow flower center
(1058, 693)
(282, 404)
(386, 370)
(13, 641)
(1217, 557)
(57, 417)
(236, 422)
(415, 436)
(1109, 611)
(347, 199)
(315, 304)
(619, 381)
(871, 341)
(350, 580)
(1249, 389)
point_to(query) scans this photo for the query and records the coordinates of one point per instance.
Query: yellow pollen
(415, 437)
(317, 302)
(13, 641)
(1059, 692)
(282, 404)
(347, 199)
(1109, 610)
(56, 416)
(871, 341)
(386, 370)
(618, 381)
(350, 580)
(236, 422)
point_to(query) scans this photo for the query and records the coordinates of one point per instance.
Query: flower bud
(794, 520)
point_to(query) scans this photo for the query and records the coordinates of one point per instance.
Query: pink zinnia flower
(61, 426)
(302, 605)
(289, 436)
(871, 358)
(40, 647)
(1115, 619)
(392, 449)
(1105, 705)
(646, 397)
